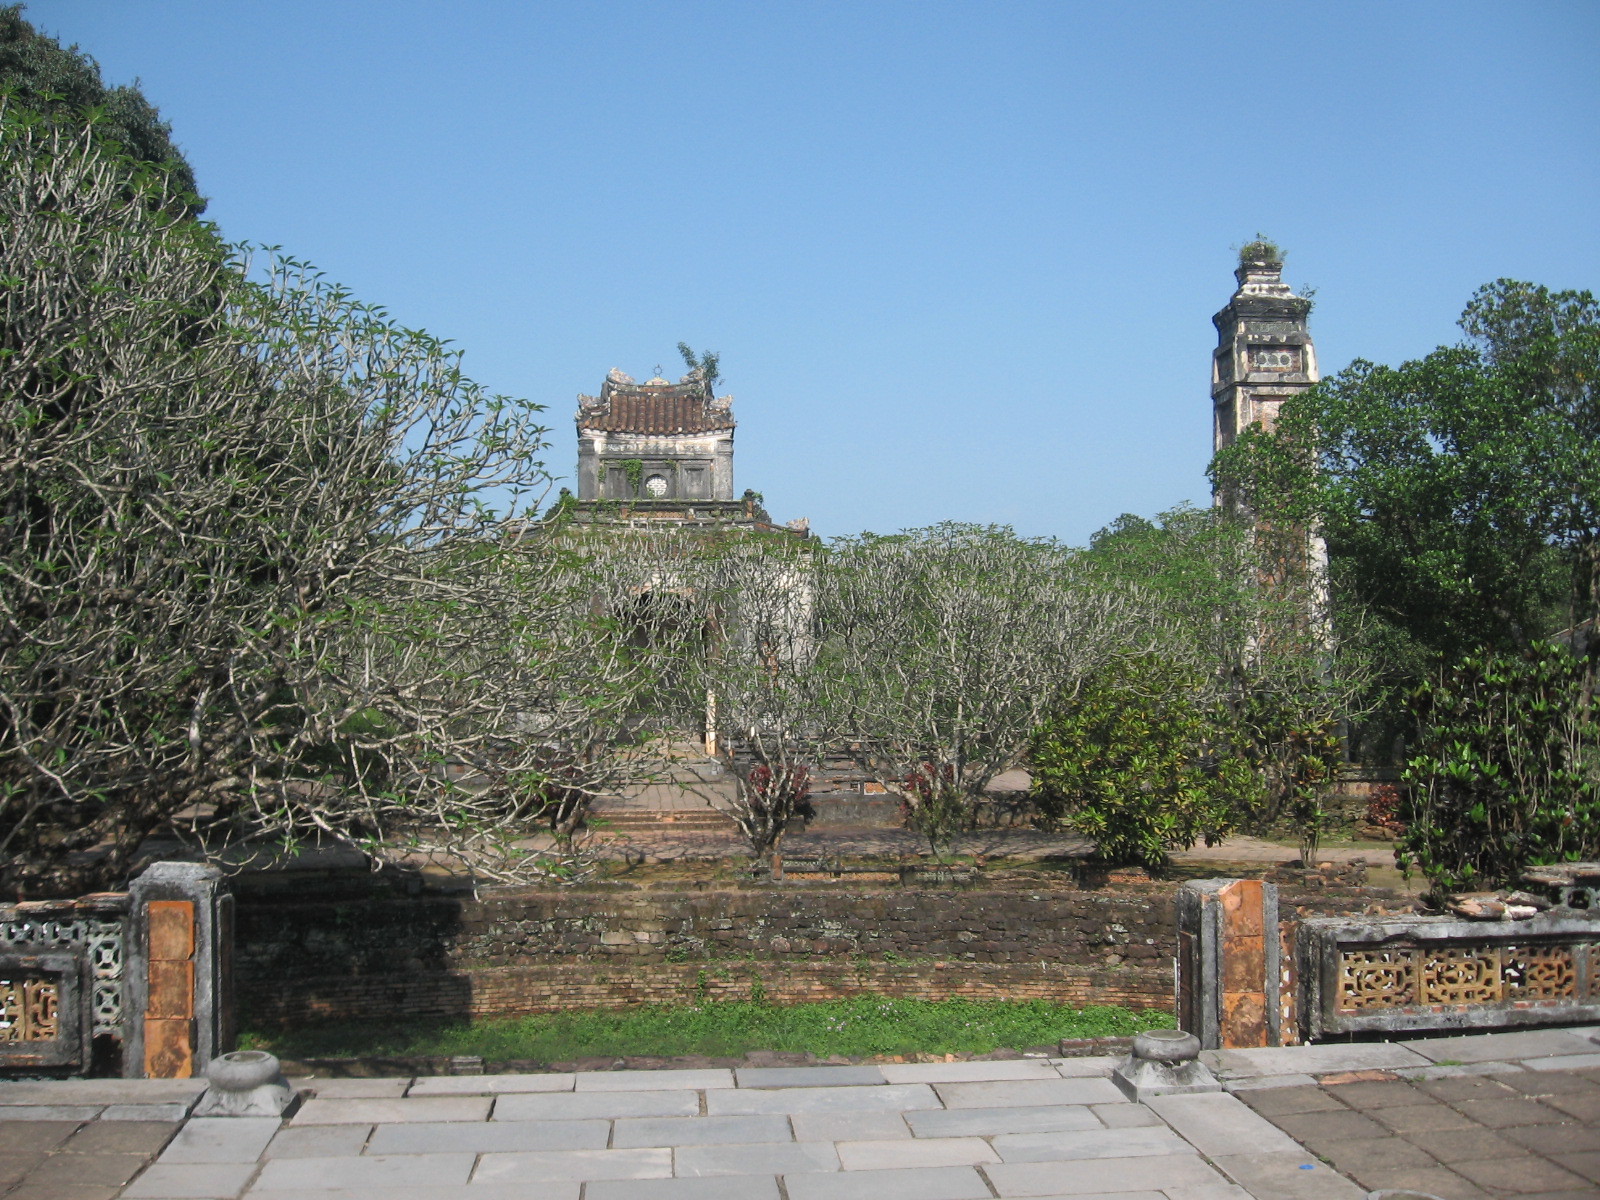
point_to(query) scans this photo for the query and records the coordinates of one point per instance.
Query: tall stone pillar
(180, 971)
(1228, 963)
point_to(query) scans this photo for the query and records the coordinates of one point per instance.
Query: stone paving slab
(489, 1085)
(578, 1165)
(770, 1158)
(169, 1113)
(1456, 1071)
(548, 1190)
(654, 1081)
(1089, 1176)
(353, 1089)
(784, 1077)
(579, 1106)
(1216, 1124)
(373, 1112)
(892, 1097)
(1090, 1143)
(1288, 1176)
(1313, 1060)
(699, 1131)
(1124, 1116)
(221, 1140)
(915, 1152)
(1012, 1093)
(183, 1181)
(848, 1126)
(35, 1136)
(724, 1187)
(319, 1141)
(484, 1137)
(1565, 1062)
(70, 1113)
(99, 1092)
(366, 1170)
(987, 1122)
(1072, 1068)
(915, 1183)
(968, 1072)
(1503, 1047)
(1256, 1082)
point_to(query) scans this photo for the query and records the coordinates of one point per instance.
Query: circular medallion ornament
(656, 485)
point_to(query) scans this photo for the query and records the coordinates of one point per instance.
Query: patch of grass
(857, 1026)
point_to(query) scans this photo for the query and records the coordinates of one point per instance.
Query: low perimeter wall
(517, 951)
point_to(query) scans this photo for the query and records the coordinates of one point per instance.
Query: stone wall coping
(1427, 927)
(93, 903)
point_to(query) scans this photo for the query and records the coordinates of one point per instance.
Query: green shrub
(1142, 764)
(1506, 773)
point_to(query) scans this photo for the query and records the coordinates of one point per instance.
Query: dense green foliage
(39, 75)
(1460, 493)
(861, 1025)
(1505, 773)
(1240, 617)
(1140, 763)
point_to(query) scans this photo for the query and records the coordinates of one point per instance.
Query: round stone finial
(242, 1070)
(1166, 1046)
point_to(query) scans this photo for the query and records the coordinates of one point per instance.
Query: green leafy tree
(38, 74)
(1241, 615)
(1459, 494)
(1138, 762)
(1506, 772)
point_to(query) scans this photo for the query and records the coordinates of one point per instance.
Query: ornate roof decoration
(655, 406)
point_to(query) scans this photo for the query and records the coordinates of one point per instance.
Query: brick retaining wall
(520, 951)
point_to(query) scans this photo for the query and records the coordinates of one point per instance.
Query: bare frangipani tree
(944, 648)
(249, 574)
(768, 699)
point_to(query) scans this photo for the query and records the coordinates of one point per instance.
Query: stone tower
(1264, 353)
(655, 441)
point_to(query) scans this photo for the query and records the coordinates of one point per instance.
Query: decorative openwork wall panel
(30, 1009)
(100, 938)
(43, 1018)
(1439, 973)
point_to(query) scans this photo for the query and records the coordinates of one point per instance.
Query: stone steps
(640, 820)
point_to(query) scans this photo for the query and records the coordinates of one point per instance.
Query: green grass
(858, 1026)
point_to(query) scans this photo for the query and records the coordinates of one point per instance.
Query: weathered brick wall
(525, 951)
(520, 951)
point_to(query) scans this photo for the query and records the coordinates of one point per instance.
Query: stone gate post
(1228, 963)
(180, 971)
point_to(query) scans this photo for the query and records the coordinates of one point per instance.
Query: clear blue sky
(959, 259)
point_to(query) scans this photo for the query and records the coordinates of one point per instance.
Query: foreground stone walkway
(925, 1131)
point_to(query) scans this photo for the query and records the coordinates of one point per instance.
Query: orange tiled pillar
(169, 1041)
(180, 1011)
(1228, 982)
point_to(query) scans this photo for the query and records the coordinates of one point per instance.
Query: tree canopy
(40, 75)
(250, 576)
(1459, 493)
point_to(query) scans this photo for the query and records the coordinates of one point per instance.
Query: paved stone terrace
(1382, 1113)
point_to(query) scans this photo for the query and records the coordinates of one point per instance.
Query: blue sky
(959, 259)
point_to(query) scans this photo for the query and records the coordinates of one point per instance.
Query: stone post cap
(179, 873)
(246, 1083)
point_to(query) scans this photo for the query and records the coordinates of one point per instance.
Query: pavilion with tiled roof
(660, 451)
